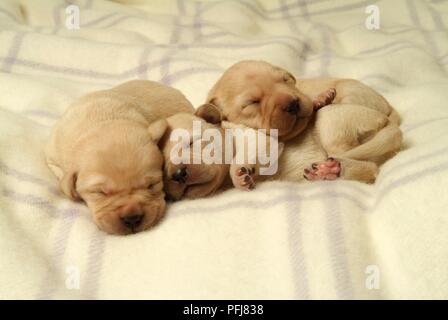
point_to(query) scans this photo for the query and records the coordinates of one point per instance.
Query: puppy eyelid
(251, 102)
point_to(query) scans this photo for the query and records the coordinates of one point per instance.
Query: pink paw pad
(324, 99)
(244, 178)
(326, 170)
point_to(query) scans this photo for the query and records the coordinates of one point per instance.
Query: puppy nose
(180, 175)
(293, 107)
(133, 220)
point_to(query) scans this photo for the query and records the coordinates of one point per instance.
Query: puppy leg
(344, 127)
(347, 169)
(323, 99)
(329, 169)
(383, 145)
(243, 177)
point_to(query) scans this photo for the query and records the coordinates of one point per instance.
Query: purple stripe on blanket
(252, 7)
(404, 165)
(13, 52)
(10, 15)
(63, 227)
(337, 246)
(434, 169)
(26, 177)
(95, 257)
(98, 20)
(413, 12)
(298, 264)
(265, 204)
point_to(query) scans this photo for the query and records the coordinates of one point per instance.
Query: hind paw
(329, 169)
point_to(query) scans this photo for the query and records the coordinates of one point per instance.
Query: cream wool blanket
(331, 240)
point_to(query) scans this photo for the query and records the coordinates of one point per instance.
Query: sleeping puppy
(104, 151)
(262, 96)
(348, 139)
(190, 179)
(186, 179)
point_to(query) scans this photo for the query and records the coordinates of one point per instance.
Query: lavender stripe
(25, 177)
(417, 125)
(337, 246)
(426, 35)
(360, 4)
(306, 48)
(88, 4)
(176, 76)
(13, 52)
(383, 78)
(197, 23)
(143, 65)
(296, 247)
(406, 164)
(65, 222)
(263, 204)
(9, 15)
(94, 264)
(90, 73)
(408, 179)
(30, 200)
(181, 7)
(41, 113)
(98, 20)
(438, 21)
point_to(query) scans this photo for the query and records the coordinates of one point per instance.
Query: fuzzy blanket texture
(329, 240)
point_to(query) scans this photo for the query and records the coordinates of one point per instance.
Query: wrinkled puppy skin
(104, 152)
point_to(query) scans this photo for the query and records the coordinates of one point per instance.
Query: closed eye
(155, 186)
(251, 102)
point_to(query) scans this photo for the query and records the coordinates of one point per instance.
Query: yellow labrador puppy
(104, 151)
(348, 139)
(216, 155)
(187, 178)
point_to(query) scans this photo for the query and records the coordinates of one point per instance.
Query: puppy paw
(325, 98)
(326, 170)
(243, 178)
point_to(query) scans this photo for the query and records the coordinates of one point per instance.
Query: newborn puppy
(186, 179)
(262, 96)
(348, 139)
(104, 151)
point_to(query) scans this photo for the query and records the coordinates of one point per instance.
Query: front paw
(325, 98)
(243, 178)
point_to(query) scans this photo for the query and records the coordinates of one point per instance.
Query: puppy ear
(157, 129)
(68, 185)
(210, 113)
(288, 76)
(281, 147)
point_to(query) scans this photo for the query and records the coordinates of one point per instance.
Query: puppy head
(192, 180)
(262, 96)
(120, 178)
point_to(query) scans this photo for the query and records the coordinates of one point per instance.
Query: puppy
(104, 151)
(190, 179)
(348, 139)
(187, 179)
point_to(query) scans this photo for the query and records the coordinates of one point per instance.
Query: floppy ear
(281, 147)
(68, 185)
(210, 113)
(157, 129)
(288, 76)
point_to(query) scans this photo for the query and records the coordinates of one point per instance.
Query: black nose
(293, 107)
(132, 221)
(180, 175)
